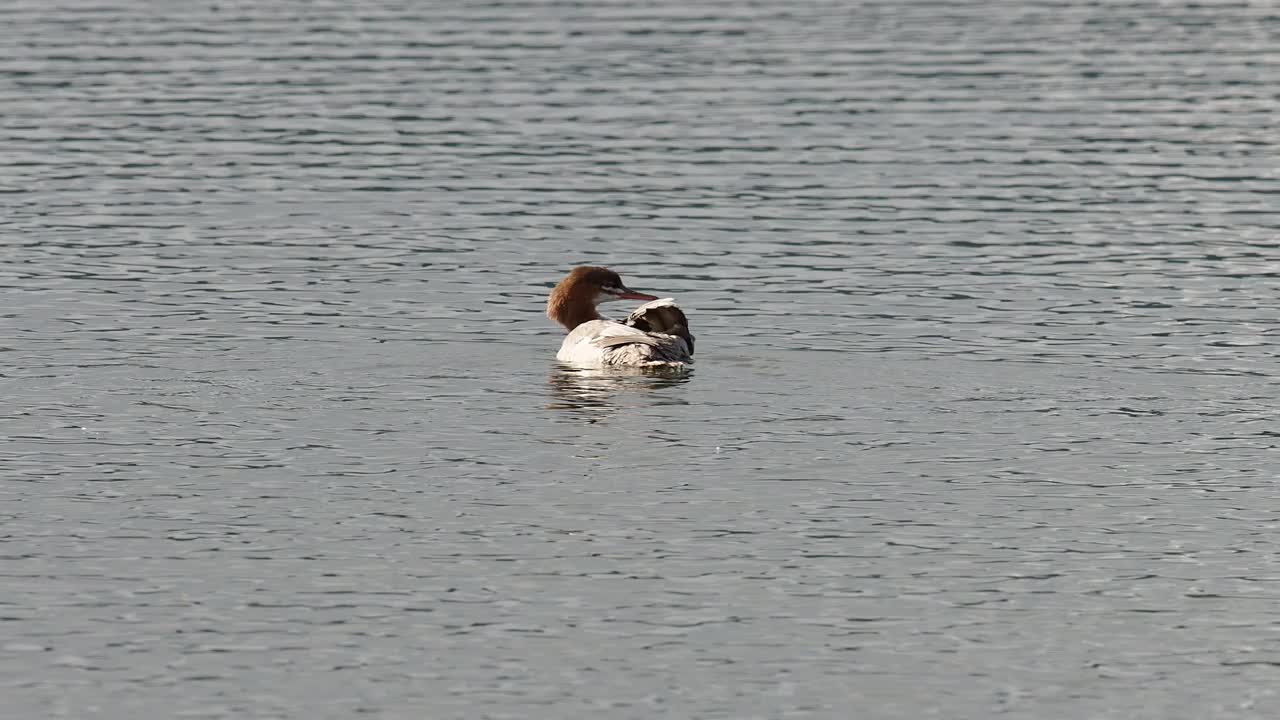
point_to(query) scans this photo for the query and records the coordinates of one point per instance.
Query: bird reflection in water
(594, 394)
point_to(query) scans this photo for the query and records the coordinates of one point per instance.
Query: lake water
(982, 422)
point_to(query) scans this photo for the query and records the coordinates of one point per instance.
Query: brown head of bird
(574, 300)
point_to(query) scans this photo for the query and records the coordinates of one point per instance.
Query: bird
(654, 335)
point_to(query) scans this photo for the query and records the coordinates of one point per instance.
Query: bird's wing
(661, 316)
(613, 334)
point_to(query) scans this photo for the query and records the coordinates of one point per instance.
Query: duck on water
(656, 334)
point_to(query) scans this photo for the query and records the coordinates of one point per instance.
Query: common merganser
(655, 334)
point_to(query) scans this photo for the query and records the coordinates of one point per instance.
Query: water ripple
(979, 423)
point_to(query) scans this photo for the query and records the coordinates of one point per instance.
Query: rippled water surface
(981, 423)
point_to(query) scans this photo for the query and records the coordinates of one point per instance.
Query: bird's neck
(570, 312)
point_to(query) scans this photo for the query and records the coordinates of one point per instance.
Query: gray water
(981, 425)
